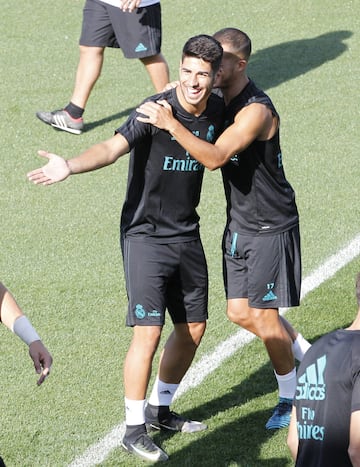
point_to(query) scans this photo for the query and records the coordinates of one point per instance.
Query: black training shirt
(259, 198)
(164, 181)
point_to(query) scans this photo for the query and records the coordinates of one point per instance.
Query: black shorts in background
(138, 34)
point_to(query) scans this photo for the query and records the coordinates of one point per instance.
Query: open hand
(54, 171)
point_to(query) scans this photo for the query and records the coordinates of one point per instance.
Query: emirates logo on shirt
(181, 165)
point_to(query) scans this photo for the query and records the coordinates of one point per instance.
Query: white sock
(300, 346)
(287, 384)
(134, 411)
(162, 393)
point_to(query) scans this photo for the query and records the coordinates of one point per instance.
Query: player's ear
(242, 64)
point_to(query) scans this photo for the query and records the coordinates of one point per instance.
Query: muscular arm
(252, 122)
(354, 444)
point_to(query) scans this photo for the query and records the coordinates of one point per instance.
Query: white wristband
(23, 329)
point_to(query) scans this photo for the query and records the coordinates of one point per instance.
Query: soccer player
(164, 261)
(261, 245)
(132, 25)
(325, 422)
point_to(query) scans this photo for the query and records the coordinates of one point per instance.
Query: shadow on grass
(236, 443)
(118, 116)
(280, 63)
(277, 64)
(239, 442)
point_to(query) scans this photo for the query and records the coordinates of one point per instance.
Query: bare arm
(252, 122)
(9, 309)
(354, 445)
(292, 438)
(10, 314)
(97, 156)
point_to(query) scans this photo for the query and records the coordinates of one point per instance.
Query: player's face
(229, 68)
(196, 82)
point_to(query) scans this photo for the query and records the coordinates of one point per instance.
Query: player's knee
(238, 315)
(153, 59)
(191, 334)
(146, 338)
(91, 53)
(197, 331)
(269, 328)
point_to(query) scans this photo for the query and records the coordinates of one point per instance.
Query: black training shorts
(138, 34)
(169, 276)
(266, 269)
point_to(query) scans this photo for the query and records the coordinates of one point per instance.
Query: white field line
(98, 452)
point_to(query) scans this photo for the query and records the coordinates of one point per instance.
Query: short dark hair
(358, 289)
(239, 41)
(206, 48)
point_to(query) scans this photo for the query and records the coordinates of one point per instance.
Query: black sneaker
(2, 463)
(62, 120)
(144, 447)
(161, 418)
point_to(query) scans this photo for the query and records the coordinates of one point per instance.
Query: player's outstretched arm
(100, 155)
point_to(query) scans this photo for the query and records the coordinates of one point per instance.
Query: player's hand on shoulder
(157, 113)
(171, 85)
